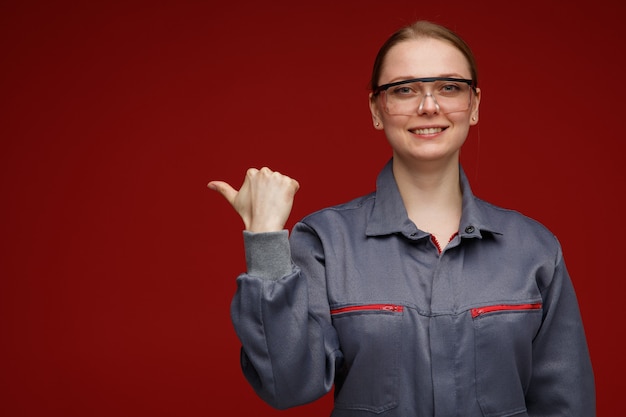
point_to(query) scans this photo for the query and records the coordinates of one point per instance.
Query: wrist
(265, 226)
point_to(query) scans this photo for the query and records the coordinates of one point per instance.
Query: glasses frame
(385, 87)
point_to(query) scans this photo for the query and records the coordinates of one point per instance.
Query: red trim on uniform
(436, 242)
(391, 308)
(504, 307)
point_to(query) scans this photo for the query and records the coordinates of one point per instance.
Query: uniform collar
(389, 215)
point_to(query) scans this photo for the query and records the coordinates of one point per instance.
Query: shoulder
(356, 210)
(513, 224)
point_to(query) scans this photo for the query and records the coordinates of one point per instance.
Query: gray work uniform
(360, 298)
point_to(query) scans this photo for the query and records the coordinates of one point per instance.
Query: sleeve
(280, 312)
(562, 381)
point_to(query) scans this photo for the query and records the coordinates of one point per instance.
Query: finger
(251, 172)
(228, 192)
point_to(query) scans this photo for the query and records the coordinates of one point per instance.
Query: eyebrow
(410, 77)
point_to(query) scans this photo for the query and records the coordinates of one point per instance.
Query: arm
(290, 350)
(280, 311)
(562, 380)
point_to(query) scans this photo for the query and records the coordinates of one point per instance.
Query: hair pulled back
(417, 30)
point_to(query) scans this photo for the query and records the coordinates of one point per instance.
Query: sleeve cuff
(268, 255)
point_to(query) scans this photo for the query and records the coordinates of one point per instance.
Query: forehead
(423, 57)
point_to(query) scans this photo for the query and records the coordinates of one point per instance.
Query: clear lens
(408, 98)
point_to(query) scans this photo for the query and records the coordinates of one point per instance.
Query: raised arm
(280, 311)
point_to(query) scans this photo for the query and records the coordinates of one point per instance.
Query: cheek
(461, 120)
(394, 122)
(462, 133)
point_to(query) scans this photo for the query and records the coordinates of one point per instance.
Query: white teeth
(428, 131)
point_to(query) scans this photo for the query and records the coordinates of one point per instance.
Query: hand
(264, 200)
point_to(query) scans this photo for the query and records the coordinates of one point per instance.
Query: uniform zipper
(390, 308)
(504, 307)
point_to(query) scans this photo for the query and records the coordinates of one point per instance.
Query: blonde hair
(423, 29)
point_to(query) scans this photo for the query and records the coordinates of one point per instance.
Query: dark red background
(117, 264)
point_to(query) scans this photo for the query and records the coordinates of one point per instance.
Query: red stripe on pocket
(391, 308)
(504, 307)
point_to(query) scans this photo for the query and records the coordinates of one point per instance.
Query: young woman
(418, 299)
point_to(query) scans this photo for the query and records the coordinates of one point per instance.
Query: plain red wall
(117, 265)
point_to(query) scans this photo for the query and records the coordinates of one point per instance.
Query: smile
(428, 131)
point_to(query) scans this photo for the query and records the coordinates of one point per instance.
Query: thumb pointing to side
(240, 201)
(224, 189)
(264, 200)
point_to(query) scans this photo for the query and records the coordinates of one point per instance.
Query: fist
(264, 200)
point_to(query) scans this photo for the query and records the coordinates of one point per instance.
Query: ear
(374, 109)
(475, 106)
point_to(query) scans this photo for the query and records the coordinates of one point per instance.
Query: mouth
(427, 130)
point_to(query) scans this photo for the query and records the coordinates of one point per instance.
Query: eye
(402, 91)
(450, 89)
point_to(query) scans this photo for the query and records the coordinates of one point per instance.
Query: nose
(428, 106)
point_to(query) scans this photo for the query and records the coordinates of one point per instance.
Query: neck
(438, 181)
(432, 196)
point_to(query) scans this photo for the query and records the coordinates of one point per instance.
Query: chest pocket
(503, 337)
(369, 336)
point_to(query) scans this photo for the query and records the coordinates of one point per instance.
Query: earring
(377, 124)
(473, 118)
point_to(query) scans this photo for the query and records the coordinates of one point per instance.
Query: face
(428, 134)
